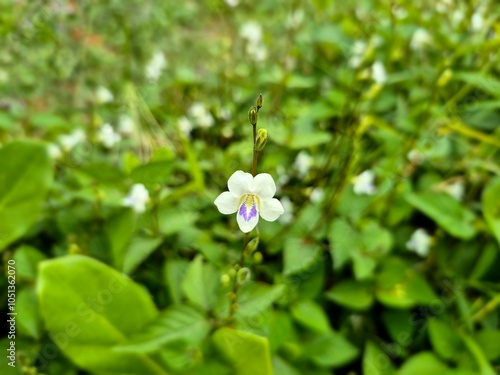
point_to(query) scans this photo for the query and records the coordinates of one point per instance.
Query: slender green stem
(254, 162)
(236, 284)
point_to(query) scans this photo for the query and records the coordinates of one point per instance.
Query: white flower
(420, 39)
(477, 20)
(107, 136)
(416, 156)
(137, 198)
(378, 72)
(232, 3)
(252, 32)
(54, 151)
(103, 95)
(126, 125)
(287, 216)
(357, 53)
(155, 66)
(69, 141)
(419, 242)
(250, 197)
(453, 187)
(185, 126)
(363, 183)
(303, 163)
(317, 195)
(200, 115)
(295, 18)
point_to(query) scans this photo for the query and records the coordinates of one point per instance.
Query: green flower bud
(253, 115)
(257, 257)
(260, 101)
(252, 246)
(243, 275)
(444, 78)
(225, 279)
(261, 140)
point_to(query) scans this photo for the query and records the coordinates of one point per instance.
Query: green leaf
(27, 259)
(488, 341)
(25, 179)
(376, 362)
(88, 307)
(172, 220)
(309, 139)
(152, 173)
(28, 318)
(480, 357)
(280, 329)
(299, 254)
(449, 213)
(311, 315)
(343, 240)
(138, 250)
(352, 294)
(174, 271)
(119, 230)
(249, 354)
(200, 283)
(444, 339)
(330, 350)
(281, 367)
(423, 363)
(254, 298)
(175, 323)
(491, 207)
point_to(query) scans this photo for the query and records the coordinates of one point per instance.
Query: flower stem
(234, 292)
(254, 163)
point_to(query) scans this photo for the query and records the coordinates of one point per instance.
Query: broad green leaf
(174, 271)
(255, 298)
(25, 180)
(200, 283)
(28, 318)
(491, 207)
(330, 350)
(488, 341)
(88, 308)
(119, 230)
(444, 339)
(280, 329)
(173, 219)
(363, 265)
(343, 240)
(484, 365)
(309, 139)
(138, 250)
(152, 173)
(27, 259)
(423, 363)
(299, 254)
(446, 211)
(175, 323)
(281, 367)
(485, 82)
(376, 361)
(249, 354)
(352, 294)
(311, 315)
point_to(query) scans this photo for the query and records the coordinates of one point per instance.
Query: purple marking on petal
(248, 208)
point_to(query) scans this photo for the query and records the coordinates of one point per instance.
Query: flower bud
(444, 78)
(261, 140)
(243, 275)
(253, 115)
(225, 279)
(260, 101)
(257, 257)
(252, 246)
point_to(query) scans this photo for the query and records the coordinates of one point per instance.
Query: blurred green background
(121, 121)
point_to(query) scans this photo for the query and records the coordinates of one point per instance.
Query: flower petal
(263, 185)
(271, 209)
(227, 203)
(248, 214)
(239, 183)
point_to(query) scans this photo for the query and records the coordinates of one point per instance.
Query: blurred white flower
(357, 54)
(126, 125)
(252, 33)
(295, 18)
(456, 189)
(378, 72)
(69, 141)
(232, 3)
(399, 12)
(287, 217)
(317, 195)
(458, 16)
(283, 176)
(185, 126)
(137, 198)
(54, 151)
(420, 242)
(420, 39)
(303, 163)
(443, 6)
(364, 183)
(416, 156)
(477, 20)
(103, 95)
(107, 136)
(200, 115)
(156, 65)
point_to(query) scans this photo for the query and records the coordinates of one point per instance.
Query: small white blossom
(103, 95)
(295, 18)
(420, 39)
(378, 72)
(200, 115)
(250, 197)
(357, 54)
(54, 151)
(364, 183)
(126, 125)
(137, 198)
(107, 136)
(185, 126)
(283, 176)
(69, 141)
(455, 188)
(156, 65)
(416, 156)
(303, 163)
(420, 242)
(232, 3)
(477, 20)
(317, 195)
(252, 33)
